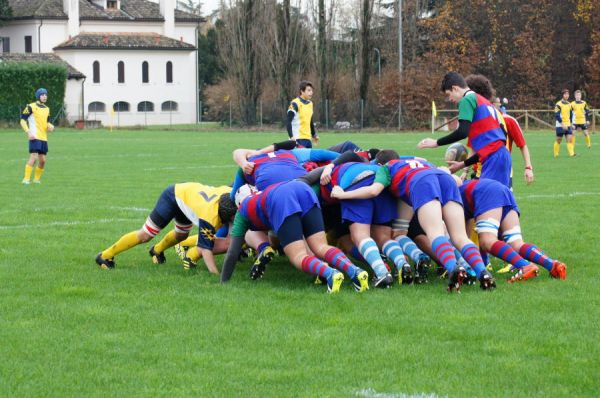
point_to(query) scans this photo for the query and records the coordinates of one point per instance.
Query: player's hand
(50, 127)
(315, 139)
(565, 126)
(248, 167)
(427, 143)
(30, 136)
(528, 176)
(454, 166)
(326, 175)
(337, 192)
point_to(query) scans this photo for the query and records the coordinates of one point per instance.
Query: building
(136, 60)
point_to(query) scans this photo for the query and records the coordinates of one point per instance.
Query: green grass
(69, 329)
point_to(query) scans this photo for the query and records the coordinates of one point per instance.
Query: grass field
(69, 329)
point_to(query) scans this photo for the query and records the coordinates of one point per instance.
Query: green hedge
(19, 80)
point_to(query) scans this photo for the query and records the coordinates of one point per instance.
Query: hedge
(19, 80)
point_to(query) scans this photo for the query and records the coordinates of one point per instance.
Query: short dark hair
(227, 208)
(577, 91)
(481, 85)
(453, 79)
(385, 155)
(303, 84)
(565, 90)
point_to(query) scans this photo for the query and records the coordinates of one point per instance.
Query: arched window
(169, 106)
(96, 107)
(145, 77)
(145, 106)
(121, 106)
(121, 72)
(96, 71)
(169, 72)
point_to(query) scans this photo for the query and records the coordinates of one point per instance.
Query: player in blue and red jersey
(479, 121)
(494, 209)
(292, 210)
(433, 195)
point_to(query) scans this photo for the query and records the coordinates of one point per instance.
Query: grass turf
(69, 329)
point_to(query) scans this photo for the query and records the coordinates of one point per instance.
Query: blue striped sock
(459, 259)
(444, 251)
(409, 248)
(471, 254)
(370, 252)
(393, 251)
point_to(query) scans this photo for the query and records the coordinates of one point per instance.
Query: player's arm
(348, 156)
(206, 243)
(588, 113)
(557, 114)
(240, 156)
(24, 117)
(313, 131)
(454, 166)
(383, 179)
(50, 127)
(238, 181)
(322, 155)
(238, 231)
(291, 114)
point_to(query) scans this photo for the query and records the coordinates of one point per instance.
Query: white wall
(73, 99)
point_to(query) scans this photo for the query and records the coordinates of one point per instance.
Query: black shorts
(332, 218)
(38, 146)
(296, 227)
(581, 126)
(166, 209)
(414, 228)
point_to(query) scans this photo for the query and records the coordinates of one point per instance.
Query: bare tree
(364, 44)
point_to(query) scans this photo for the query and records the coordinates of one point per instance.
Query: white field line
(70, 223)
(75, 208)
(557, 195)
(371, 393)
(199, 167)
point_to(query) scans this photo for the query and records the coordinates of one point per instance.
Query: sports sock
(126, 242)
(369, 250)
(471, 254)
(169, 240)
(556, 149)
(460, 261)
(444, 251)
(38, 173)
(262, 247)
(588, 141)
(394, 252)
(354, 252)
(503, 251)
(28, 170)
(410, 248)
(312, 265)
(532, 253)
(189, 241)
(338, 260)
(194, 253)
(571, 148)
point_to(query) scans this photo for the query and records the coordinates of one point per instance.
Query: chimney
(71, 8)
(167, 10)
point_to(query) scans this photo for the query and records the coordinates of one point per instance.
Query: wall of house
(73, 99)
(51, 34)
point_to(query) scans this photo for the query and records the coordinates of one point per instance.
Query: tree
(209, 67)
(5, 11)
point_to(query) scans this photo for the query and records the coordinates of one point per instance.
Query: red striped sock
(503, 251)
(312, 265)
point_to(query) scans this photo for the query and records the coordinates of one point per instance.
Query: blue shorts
(494, 197)
(38, 146)
(304, 142)
(561, 131)
(290, 198)
(380, 210)
(344, 146)
(433, 185)
(498, 167)
(166, 209)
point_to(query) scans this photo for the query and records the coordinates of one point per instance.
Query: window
(145, 78)
(96, 107)
(121, 106)
(28, 46)
(121, 72)
(169, 72)
(96, 71)
(111, 4)
(5, 44)
(145, 106)
(169, 106)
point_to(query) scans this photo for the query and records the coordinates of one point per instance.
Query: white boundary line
(557, 195)
(70, 223)
(371, 393)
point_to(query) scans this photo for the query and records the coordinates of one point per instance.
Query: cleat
(384, 281)
(360, 282)
(25, 182)
(258, 269)
(559, 270)
(471, 276)
(486, 280)
(105, 263)
(506, 269)
(188, 264)
(334, 282)
(406, 275)
(181, 251)
(157, 258)
(422, 268)
(524, 273)
(456, 278)
(320, 280)
(37, 182)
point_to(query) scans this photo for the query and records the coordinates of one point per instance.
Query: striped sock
(532, 253)
(443, 249)
(394, 252)
(338, 260)
(312, 265)
(459, 259)
(471, 254)
(409, 248)
(503, 251)
(368, 249)
(262, 247)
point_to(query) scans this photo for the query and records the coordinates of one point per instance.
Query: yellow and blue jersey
(563, 111)
(301, 125)
(35, 117)
(581, 112)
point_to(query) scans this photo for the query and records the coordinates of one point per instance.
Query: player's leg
(382, 234)
(259, 240)
(105, 259)
(586, 133)
(33, 157)
(170, 209)
(559, 135)
(570, 143)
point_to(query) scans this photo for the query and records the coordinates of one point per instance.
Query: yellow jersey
(581, 112)
(200, 202)
(563, 112)
(301, 124)
(35, 117)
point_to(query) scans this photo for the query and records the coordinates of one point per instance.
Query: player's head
(306, 89)
(227, 208)
(373, 153)
(565, 94)
(497, 102)
(385, 155)
(243, 192)
(41, 94)
(454, 86)
(577, 95)
(481, 85)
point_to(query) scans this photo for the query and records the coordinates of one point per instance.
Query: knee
(143, 236)
(486, 241)
(179, 236)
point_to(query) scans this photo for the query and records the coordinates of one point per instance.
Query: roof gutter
(40, 36)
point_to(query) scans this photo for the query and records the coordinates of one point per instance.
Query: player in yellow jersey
(188, 203)
(300, 126)
(35, 122)
(581, 118)
(563, 113)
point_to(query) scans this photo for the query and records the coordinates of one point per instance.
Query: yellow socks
(556, 149)
(571, 148)
(38, 174)
(28, 170)
(168, 241)
(190, 241)
(126, 242)
(588, 141)
(194, 254)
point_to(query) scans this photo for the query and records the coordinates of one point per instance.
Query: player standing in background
(564, 114)
(35, 121)
(581, 118)
(300, 125)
